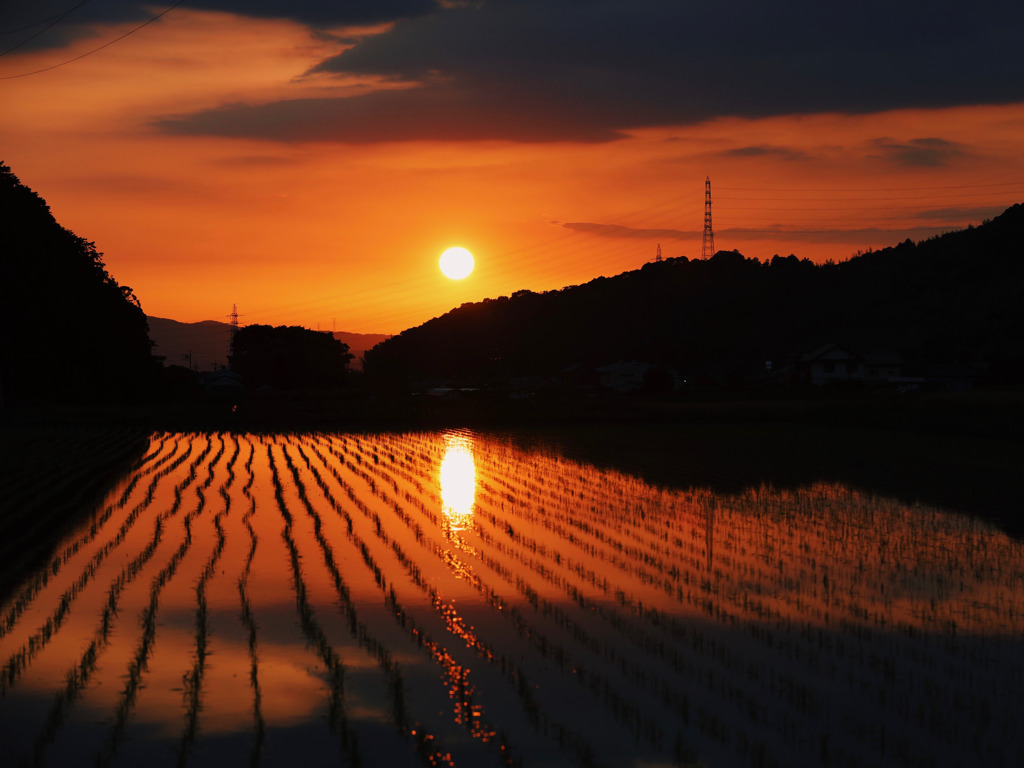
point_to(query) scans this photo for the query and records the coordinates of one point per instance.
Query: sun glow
(458, 481)
(456, 263)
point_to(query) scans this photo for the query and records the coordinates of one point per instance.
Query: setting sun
(456, 263)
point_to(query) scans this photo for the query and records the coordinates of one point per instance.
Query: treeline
(289, 357)
(958, 297)
(68, 331)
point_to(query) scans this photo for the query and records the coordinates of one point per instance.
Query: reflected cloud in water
(457, 478)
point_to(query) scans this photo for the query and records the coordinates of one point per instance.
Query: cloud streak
(851, 236)
(926, 152)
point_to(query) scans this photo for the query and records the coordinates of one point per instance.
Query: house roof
(833, 351)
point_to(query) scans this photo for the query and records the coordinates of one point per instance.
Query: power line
(34, 24)
(100, 48)
(53, 22)
(862, 189)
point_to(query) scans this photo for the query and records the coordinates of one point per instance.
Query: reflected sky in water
(451, 599)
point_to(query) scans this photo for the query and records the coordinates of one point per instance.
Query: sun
(456, 263)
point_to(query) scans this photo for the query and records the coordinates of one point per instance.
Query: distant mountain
(203, 345)
(359, 343)
(955, 297)
(206, 344)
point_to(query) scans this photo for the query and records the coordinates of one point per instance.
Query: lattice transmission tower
(707, 246)
(233, 317)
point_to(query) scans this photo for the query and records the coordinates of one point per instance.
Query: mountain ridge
(954, 297)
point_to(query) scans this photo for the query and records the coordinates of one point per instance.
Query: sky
(308, 162)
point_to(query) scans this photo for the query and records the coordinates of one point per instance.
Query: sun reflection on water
(457, 477)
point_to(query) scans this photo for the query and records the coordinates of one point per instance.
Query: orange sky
(312, 230)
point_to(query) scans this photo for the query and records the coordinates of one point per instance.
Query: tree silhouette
(68, 331)
(288, 357)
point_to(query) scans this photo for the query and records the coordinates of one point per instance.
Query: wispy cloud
(617, 230)
(765, 150)
(928, 152)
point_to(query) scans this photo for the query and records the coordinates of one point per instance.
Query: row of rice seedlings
(465, 712)
(427, 746)
(688, 651)
(616, 509)
(79, 675)
(806, 708)
(623, 662)
(581, 636)
(596, 683)
(42, 576)
(311, 628)
(792, 648)
(23, 484)
(20, 659)
(148, 617)
(248, 621)
(194, 677)
(56, 496)
(384, 464)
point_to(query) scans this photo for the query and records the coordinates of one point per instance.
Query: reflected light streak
(457, 477)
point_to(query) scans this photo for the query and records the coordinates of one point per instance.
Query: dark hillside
(957, 297)
(68, 331)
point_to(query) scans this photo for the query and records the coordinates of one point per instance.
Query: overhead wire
(34, 24)
(53, 22)
(545, 261)
(98, 48)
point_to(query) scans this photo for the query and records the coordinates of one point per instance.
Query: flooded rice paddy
(451, 599)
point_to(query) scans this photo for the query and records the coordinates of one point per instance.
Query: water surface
(457, 599)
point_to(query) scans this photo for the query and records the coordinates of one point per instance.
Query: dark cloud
(428, 113)
(764, 150)
(321, 14)
(617, 230)
(45, 24)
(54, 23)
(591, 69)
(930, 152)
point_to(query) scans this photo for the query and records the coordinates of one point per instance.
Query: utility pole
(658, 257)
(707, 246)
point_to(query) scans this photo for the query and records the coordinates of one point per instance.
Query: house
(222, 380)
(838, 363)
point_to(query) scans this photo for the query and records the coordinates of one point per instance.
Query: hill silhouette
(954, 298)
(68, 331)
(203, 345)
